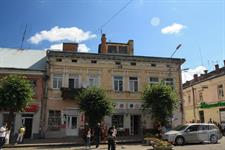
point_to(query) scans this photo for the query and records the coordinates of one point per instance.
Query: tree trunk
(9, 125)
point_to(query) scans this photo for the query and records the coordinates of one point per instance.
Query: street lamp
(180, 86)
(178, 46)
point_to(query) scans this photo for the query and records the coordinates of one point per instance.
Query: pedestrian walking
(88, 141)
(111, 138)
(97, 134)
(20, 136)
(3, 130)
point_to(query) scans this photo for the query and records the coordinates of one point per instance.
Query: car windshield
(180, 127)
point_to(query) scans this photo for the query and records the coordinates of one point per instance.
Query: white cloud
(188, 75)
(57, 34)
(59, 47)
(56, 47)
(83, 48)
(175, 28)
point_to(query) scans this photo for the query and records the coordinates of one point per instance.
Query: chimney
(205, 71)
(195, 77)
(70, 47)
(130, 47)
(103, 44)
(217, 67)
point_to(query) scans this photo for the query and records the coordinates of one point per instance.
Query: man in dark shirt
(97, 134)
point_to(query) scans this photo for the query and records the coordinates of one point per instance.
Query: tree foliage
(95, 103)
(160, 101)
(15, 94)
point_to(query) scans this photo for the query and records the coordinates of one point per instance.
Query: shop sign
(32, 108)
(206, 105)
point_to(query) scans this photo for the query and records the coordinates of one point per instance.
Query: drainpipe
(193, 94)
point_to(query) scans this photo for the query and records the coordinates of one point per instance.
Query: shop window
(117, 121)
(54, 120)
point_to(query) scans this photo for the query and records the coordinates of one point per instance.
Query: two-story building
(32, 64)
(204, 99)
(113, 68)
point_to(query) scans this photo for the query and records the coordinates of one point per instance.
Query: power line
(114, 15)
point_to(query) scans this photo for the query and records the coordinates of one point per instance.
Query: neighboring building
(115, 69)
(204, 98)
(32, 64)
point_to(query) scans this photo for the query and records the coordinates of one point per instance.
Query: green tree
(160, 101)
(95, 103)
(15, 94)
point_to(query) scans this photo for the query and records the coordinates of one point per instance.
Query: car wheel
(179, 140)
(213, 139)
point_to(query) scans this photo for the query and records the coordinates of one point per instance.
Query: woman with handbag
(2, 135)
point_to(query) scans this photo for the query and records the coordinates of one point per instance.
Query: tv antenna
(23, 37)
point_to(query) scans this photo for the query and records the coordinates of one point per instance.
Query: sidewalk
(69, 141)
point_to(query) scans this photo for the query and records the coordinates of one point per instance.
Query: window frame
(133, 84)
(119, 83)
(59, 81)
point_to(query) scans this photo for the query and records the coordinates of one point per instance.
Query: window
(58, 59)
(94, 61)
(33, 86)
(220, 91)
(118, 83)
(169, 81)
(189, 99)
(74, 60)
(74, 82)
(57, 81)
(118, 63)
(133, 83)
(112, 49)
(153, 65)
(54, 120)
(200, 97)
(154, 80)
(123, 49)
(93, 80)
(193, 128)
(117, 120)
(133, 63)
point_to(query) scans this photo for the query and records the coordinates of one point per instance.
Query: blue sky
(156, 26)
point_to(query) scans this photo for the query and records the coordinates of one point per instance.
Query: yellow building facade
(115, 69)
(204, 99)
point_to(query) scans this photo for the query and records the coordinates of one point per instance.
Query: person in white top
(3, 130)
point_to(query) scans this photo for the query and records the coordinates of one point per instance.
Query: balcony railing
(70, 93)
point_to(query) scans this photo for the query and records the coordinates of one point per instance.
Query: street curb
(65, 144)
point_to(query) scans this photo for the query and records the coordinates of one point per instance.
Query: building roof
(109, 56)
(218, 72)
(22, 59)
